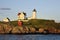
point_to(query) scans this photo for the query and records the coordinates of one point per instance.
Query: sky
(46, 9)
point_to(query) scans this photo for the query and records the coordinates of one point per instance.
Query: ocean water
(30, 37)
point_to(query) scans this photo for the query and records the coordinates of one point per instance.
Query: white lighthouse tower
(34, 14)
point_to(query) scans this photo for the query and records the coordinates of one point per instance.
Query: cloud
(5, 8)
(1, 13)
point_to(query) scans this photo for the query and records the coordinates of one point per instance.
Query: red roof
(19, 13)
(23, 13)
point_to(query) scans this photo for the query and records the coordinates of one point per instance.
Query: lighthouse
(22, 16)
(34, 14)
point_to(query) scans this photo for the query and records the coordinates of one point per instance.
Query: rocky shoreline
(8, 29)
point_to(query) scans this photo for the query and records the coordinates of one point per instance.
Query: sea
(30, 37)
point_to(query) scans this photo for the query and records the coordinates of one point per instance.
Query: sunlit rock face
(26, 29)
(6, 28)
(1, 29)
(32, 30)
(15, 30)
(41, 30)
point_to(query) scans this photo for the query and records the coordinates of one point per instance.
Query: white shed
(6, 20)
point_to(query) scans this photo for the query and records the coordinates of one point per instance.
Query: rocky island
(32, 26)
(28, 25)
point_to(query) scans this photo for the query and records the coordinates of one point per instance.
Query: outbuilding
(6, 20)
